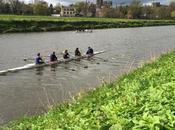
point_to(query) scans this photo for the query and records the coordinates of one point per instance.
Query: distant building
(68, 11)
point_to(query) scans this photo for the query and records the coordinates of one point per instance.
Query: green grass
(19, 23)
(141, 100)
(50, 18)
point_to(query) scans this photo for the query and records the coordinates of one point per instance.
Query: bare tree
(16, 6)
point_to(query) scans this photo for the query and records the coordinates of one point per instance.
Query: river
(31, 92)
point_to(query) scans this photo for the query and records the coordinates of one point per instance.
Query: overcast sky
(66, 2)
(63, 2)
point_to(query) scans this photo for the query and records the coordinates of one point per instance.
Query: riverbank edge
(27, 25)
(141, 99)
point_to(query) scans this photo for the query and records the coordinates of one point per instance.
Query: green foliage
(141, 100)
(81, 7)
(173, 14)
(41, 8)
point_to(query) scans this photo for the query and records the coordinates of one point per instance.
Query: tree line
(43, 8)
(134, 10)
(137, 10)
(20, 8)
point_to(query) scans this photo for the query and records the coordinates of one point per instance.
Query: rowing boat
(84, 31)
(47, 63)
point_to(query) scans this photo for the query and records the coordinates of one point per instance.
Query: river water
(32, 91)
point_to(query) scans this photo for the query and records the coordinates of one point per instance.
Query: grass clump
(141, 100)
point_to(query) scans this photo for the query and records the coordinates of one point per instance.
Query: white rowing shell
(33, 65)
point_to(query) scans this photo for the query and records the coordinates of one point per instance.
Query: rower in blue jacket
(90, 51)
(38, 59)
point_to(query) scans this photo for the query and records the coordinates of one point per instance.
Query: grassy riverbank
(15, 23)
(142, 99)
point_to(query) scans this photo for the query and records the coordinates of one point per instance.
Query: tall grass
(15, 23)
(140, 100)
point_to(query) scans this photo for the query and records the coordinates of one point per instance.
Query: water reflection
(53, 67)
(39, 71)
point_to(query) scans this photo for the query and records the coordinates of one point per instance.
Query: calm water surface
(32, 91)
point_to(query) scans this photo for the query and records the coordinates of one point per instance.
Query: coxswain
(53, 57)
(90, 51)
(77, 52)
(66, 55)
(38, 59)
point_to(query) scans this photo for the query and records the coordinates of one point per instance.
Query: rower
(77, 52)
(38, 59)
(90, 51)
(66, 55)
(53, 57)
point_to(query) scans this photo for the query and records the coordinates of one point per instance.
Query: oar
(28, 59)
(104, 60)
